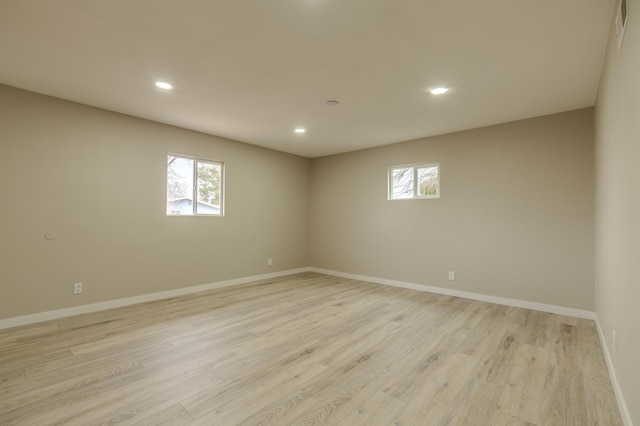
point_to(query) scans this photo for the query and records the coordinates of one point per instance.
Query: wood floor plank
(307, 349)
(279, 411)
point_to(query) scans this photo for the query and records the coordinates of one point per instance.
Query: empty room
(320, 212)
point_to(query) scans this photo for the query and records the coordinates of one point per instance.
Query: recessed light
(439, 90)
(331, 102)
(164, 85)
(300, 130)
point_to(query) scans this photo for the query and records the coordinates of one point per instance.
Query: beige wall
(618, 207)
(98, 180)
(515, 218)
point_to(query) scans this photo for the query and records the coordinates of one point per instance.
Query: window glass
(190, 179)
(414, 181)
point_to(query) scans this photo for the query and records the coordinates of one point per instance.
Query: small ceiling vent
(622, 15)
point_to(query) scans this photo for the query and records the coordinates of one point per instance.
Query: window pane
(427, 181)
(179, 186)
(194, 187)
(402, 182)
(208, 188)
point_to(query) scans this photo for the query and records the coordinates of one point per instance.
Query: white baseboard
(624, 411)
(61, 313)
(561, 310)
(101, 306)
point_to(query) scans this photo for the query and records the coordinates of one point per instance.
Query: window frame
(194, 194)
(415, 185)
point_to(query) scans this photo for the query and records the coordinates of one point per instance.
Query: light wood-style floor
(308, 349)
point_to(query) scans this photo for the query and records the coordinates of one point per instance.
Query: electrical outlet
(452, 276)
(269, 262)
(77, 288)
(615, 341)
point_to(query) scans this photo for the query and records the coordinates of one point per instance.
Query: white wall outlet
(615, 341)
(77, 288)
(269, 262)
(452, 276)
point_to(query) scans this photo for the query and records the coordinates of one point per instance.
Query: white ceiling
(253, 70)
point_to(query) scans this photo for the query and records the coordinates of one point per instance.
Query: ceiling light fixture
(300, 130)
(331, 102)
(164, 85)
(439, 90)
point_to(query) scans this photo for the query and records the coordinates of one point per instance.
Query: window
(190, 179)
(414, 181)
